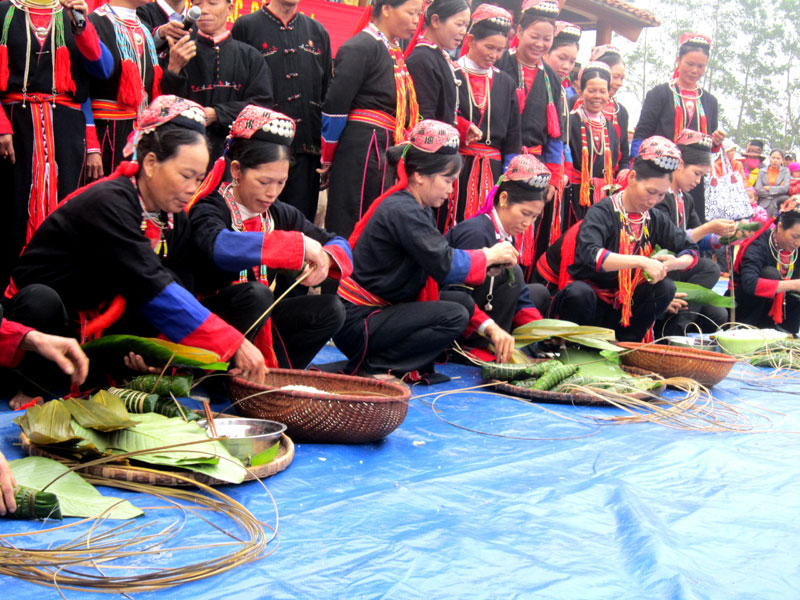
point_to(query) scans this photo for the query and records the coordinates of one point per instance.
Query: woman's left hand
(502, 341)
(718, 136)
(94, 166)
(135, 362)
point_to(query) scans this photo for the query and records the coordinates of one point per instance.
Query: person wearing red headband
(246, 238)
(504, 301)
(682, 103)
(124, 242)
(396, 319)
(370, 105)
(766, 273)
(606, 274)
(488, 101)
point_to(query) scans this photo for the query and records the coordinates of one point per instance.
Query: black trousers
(504, 301)
(302, 186)
(40, 307)
(705, 274)
(301, 325)
(402, 337)
(754, 310)
(578, 303)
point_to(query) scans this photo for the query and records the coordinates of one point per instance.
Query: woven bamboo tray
(705, 367)
(165, 477)
(576, 399)
(355, 410)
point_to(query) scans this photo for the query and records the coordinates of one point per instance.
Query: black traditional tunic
(621, 127)
(357, 128)
(298, 54)
(497, 115)
(49, 129)
(534, 91)
(437, 80)
(226, 76)
(398, 250)
(237, 263)
(756, 277)
(113, 120)
(92, 248)
(598, 141)
(510, 301)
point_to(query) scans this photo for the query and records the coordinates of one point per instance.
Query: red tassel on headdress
(776, 312)
(553, 123)
(366, 17)
(3, 68)
(210, 183)
(63, 71)
(415, 38)
(158, 74)
(130, 91)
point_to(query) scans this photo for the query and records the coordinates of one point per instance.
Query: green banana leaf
(700, 295)
(103, 411)
(593, 364)
(585, 335)
(47, 423)
(76, 497)
(154, 351)
(155, 431)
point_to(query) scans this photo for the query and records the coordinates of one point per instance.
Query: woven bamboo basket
(705, 367)
(355, 410)
(158, 475)
(573, 398)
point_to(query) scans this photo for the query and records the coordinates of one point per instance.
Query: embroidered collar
(276, 18)
(215, 40)
(470, 67)
(499, 230)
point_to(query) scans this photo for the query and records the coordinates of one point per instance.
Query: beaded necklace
(590, 148)
(152, 223)
(786, 269)
(486, 106)
(630, 244)
(682, 120)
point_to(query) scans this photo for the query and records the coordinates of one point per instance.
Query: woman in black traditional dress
(245, 235)
(123, 245)
(681, 103)
(370, 104)
(134, 82)
(766, 273)
(696, 155)
(45, 62)
(543, 120)
(593, 143)
(396, 320)
(609, 260)
(615, 112)
(504, 301)
(488, 100)
(436, 76)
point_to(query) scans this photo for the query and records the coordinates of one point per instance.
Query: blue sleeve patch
(568, 155)
(103, 66)
(234, 250)
(333, 126)
(552, 151)
(175, 312)
(86, 108)
(635, 148)
(459, 268)
(342, 243)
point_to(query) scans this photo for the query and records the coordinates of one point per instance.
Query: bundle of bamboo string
(81, 563)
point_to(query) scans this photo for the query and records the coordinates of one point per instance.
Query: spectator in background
(759, 214)
(730, 149)
(753, 160)
(772, 184)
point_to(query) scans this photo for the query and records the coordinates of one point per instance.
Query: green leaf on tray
(77, 497)
(47, 423)
(592, 364)
(154, 351)
(155, 431)
(103, 411)
(267, 456)
(697, 294)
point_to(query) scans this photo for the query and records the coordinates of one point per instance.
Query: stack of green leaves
(599, 338)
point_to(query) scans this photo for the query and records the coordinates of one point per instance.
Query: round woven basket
(156, 475)
(705, 367)
(355, 409)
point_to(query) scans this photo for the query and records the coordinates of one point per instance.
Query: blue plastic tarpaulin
(584, 511)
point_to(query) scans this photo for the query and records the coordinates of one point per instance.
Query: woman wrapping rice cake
(504, 301)
(396, 320)
(245, 236)
(125, 241)
(606, 275)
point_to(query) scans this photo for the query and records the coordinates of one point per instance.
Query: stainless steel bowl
(246, 438)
